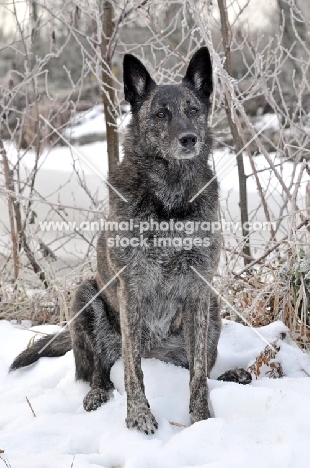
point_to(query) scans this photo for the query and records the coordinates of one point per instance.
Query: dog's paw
(240, 376)
(95, 398)
(143, 421)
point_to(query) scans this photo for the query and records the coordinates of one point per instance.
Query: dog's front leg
(139, 415)
(196, 320)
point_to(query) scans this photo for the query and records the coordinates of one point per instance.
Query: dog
(147, 299)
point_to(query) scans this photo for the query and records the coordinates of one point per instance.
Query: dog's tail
(58, 347)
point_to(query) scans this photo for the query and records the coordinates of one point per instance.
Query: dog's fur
(158, 306)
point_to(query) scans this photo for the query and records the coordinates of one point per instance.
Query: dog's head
(171, 119)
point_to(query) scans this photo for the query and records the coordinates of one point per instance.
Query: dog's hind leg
(96, 345)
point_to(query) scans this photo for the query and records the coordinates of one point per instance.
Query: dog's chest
(160, 289)
(161, 313)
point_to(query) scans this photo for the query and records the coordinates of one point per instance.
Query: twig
(234, 251)
(305, 222)
(31, 407)
(60, 206)
(176, 424)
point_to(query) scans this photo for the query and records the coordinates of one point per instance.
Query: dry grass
(272, 292)
(40, 306)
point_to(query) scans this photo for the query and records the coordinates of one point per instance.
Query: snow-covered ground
(92, 122)
(262, 425)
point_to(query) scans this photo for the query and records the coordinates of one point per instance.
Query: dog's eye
(161, 115)
(193, 111)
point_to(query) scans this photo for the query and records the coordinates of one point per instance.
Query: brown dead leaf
(265, 364)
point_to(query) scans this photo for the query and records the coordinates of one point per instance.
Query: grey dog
(156, 306)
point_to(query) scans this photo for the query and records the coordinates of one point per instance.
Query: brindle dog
(157, 306)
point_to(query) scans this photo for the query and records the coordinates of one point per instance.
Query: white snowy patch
(265, 424)
(267, 119)
(92, 122)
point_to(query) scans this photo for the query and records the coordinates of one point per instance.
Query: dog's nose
(188, 140)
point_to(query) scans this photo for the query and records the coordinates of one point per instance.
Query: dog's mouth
(186, 153)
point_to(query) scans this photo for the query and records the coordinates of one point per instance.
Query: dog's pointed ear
(137, 80)
(199, 73)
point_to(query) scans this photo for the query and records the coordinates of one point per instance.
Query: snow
(264, 424)
(92, 122)
(61, 158)
(268, 121)
(227, 172)
(85, 123)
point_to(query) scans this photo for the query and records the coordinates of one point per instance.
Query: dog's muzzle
(188, 146)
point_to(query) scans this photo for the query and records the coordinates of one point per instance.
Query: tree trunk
(10, 186)
(108, 93)
(243, 201)
(308, 214)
